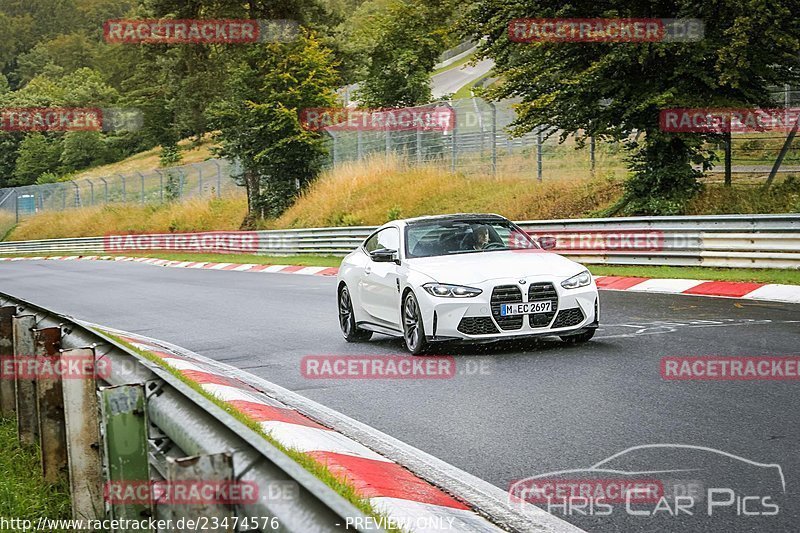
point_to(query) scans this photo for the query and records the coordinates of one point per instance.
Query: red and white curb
(726, 289)
(410, 501)
(236, 267)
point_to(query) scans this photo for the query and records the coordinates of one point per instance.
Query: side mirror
(547, 243)
(383, 256)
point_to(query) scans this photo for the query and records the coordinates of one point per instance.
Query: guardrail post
(50, 404)
(7, 393)
(27, 416)
(126, 449)
(212, 469)
(81, 411)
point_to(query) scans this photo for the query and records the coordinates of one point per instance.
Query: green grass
(783, 276)
(23, 492)
(341, 486)
(461, 62)
(301, 260)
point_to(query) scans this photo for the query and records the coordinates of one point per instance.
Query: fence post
(50, 404)
(728, 149)
(142, 177)
(334, 149)
(91, 190)
(219, 178)
(494, 138)
(27, 417)
(105, 187)
(591, 154)
(539, 153)
(419, 146)
(124, 190)
(199, 180)
(83, 438)
(454, 154)
(77, 193)
(124, 421)
(359, 144)
(181, 182)
(16, 205)
(388, 141)
(160, 185)
(7, 392)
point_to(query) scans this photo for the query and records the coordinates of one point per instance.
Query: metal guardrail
(135, 423)
(737, 241)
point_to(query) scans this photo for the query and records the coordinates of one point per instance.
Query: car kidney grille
(506, 294)
(568, 317)
(477, 325)
(538, 292)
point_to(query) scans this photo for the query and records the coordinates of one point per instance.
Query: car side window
(389, 239)
(386, 239)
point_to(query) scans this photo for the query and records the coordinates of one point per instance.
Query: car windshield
(463, 236)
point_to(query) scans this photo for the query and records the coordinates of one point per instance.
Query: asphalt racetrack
(512, 410)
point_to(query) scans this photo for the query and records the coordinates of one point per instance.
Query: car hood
(463, 269)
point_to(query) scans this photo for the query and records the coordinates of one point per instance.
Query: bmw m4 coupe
(465, 277)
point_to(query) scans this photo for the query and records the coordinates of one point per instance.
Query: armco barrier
(113, 420)
(756, 241)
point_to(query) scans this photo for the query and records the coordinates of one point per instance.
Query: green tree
(37, 154)
(616, 90)
(258, 120)
(408, 40)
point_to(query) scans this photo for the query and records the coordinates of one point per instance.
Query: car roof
(454, 216)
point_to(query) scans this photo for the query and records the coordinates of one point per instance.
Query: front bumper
(479, 318)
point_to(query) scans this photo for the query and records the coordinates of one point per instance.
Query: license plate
(526, 308)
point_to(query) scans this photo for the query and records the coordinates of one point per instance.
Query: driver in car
(480, 237)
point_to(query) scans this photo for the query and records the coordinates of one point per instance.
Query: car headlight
(579, 280)
(451, 291)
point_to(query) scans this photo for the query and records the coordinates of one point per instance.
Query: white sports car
(463, 277)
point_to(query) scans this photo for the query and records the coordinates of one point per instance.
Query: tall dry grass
(381, 189)
(198, 214)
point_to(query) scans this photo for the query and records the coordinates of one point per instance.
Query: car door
(379, 281)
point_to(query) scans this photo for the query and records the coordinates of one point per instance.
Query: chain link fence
(206, 179)
(479, 143)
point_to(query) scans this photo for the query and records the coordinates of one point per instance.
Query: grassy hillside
(197, 214)
(380, 190)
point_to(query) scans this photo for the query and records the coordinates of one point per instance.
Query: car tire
(580, 338)
(347, 319)
(413, 327)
